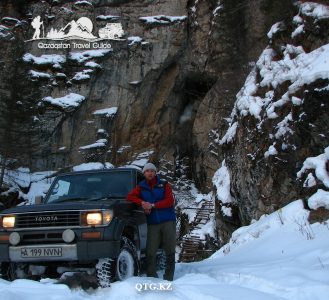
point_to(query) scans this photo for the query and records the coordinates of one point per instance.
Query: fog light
(68, 235)
(14, 238)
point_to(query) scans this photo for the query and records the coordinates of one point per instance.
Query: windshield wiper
(70, 199)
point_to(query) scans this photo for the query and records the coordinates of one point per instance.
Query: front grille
(48, 219)
(45, 238)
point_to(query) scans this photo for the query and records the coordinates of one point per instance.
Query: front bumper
(55, 252)
(83, 251)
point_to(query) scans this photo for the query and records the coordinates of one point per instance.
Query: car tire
(109, 270)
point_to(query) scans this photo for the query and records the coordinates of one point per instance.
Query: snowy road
(281, 256)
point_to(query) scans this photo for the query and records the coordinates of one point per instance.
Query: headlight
(94, 218)
(97, 218)
(8, 222)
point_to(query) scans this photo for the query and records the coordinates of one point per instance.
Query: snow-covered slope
(281, 256)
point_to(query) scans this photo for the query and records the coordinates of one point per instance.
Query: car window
(61, 188)
(89, 186)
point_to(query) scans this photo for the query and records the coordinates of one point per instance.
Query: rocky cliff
(172, 80)
(165, 92)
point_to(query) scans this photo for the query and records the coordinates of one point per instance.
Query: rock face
(137, 75)
(280, 119)
(171, 86)
(165, 92)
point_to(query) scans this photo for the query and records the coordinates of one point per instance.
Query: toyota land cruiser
(83, 223)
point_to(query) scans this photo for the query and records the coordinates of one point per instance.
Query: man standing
(157, 200)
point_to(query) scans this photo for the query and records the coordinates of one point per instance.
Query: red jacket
(168, 200)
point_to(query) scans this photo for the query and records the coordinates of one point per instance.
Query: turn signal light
(91, 235)
(4, 237)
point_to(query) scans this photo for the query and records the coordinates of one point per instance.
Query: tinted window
(91, 186)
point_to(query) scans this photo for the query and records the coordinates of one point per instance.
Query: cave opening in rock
(193, 89)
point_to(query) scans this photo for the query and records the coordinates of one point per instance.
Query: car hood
(63, 206)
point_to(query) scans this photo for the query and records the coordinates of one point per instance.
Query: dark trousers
(163, 234)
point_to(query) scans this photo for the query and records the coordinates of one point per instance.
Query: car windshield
(90, 186)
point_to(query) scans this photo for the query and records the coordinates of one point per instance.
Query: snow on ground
(279, 257)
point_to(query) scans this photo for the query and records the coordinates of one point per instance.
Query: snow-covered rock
(54, 60)
(92, 166)
(319, 165)
(68, 102)
(81, 57)
(107, 112)
(162, 19)
(101, 143)
(221, 181)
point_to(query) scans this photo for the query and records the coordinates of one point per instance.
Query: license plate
(41, 252)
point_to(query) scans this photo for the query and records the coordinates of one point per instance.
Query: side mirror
(38, 199)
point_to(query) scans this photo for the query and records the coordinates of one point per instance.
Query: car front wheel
(109, 270)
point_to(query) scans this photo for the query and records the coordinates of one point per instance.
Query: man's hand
(147, 211)
(146, 205)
